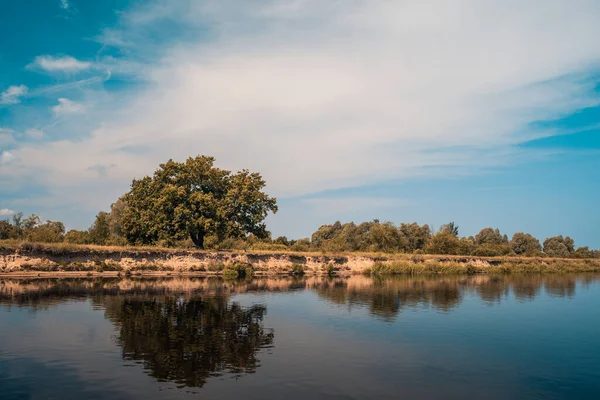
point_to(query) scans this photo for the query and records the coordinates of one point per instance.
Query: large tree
(195, 199)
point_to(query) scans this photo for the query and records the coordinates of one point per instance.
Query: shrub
(238, 271)
(297, 269)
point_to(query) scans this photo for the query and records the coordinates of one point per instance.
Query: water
(518, 337)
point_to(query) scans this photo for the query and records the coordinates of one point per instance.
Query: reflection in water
(189, 340)
(385, 297)
(183, 331)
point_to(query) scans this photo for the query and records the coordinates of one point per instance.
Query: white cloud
(64, 4)
(66, 106)
(60, 64)
(13, 94)
(6, 157)
(321, 96)
(34, 133)
(6, 211)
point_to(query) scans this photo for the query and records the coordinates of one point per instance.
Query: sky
(481, 112)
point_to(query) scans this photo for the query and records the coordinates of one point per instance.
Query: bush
(238, 271)
(78, 237)
(491, 250)
(297, 269)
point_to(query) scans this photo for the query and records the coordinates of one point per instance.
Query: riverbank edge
(33, 259)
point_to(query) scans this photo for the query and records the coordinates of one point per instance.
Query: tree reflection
(189, 340)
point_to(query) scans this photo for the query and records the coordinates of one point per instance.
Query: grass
(453, 268)
(407, 264)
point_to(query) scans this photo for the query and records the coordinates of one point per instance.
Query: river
(468, 337)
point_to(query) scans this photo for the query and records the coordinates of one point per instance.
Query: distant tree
(301, 245)
(194, 199)
(557, 246)
(451, 228)
(282, 240)
(466, 246)
(115, 219)
(78, 237)
(525, 244)
(443, 242)
(29, 223)
(18, 223)
(47, 232)
(385, 237)
(325, 232)
(490, 236)
(416, 237)
(99, 232)
(7, 230)
(583, 252)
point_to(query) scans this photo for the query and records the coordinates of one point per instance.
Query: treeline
(194, 204)
(413, 238)
(373, 236)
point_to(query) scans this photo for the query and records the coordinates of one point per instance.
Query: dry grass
(510, 267)
(385, 263)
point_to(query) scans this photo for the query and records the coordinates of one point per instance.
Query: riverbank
(31, 259)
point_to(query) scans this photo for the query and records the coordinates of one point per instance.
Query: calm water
(519, 337)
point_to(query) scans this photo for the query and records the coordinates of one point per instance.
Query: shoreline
(62, 260)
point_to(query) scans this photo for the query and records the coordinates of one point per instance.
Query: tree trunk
(198, 239)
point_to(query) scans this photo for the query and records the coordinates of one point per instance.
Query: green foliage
(583, 252)
(450, 228)
(189, 340)
(489, 236)
(416, 236)
(491, 250)
(48, 232)
(525, 244)
(300, 245)
(238, 271)
(194, 199)
(7, 230)
(443, 242)
(557, 246)
(99, 232)
(78, 237)
(297, 269)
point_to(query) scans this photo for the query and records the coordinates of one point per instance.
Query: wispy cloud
(5, 212)
(6, 157)
(64, 4)
(6, 137)
(13, 95)
(59, 64)
(322, 95)
(34, 133)
(66, 106)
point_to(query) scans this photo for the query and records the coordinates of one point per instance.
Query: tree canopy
(192, 200)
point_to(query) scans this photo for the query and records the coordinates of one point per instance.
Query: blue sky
(481, 112)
